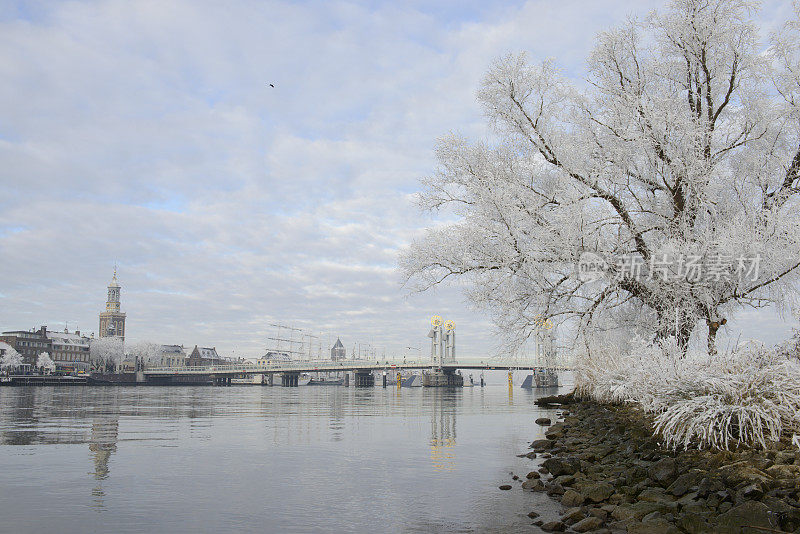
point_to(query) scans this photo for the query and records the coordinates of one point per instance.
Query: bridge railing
(328, 365)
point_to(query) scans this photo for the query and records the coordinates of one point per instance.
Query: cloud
(145, 133)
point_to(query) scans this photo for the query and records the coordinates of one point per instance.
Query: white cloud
(146, 133)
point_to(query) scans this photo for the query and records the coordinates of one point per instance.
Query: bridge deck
(330, 366)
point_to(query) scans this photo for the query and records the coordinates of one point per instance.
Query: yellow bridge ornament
(543, 322)
(436, 321)
(450, 326)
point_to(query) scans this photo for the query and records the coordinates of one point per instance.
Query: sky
(145, 135)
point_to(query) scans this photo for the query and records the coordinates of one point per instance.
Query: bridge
(441, 366)
(363, 369)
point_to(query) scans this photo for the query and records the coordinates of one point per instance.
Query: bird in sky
(272, 86)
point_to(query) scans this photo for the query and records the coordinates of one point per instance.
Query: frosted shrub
(748, 396)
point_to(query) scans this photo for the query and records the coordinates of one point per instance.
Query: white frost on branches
(750, 395)
(106, 351)
(147, 352)
(11, 358)
(45, 362)
(686, 143)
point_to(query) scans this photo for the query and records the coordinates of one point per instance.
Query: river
(266, 459)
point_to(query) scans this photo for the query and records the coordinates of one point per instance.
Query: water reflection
(102, 443)
(424, 454)
(443, 428)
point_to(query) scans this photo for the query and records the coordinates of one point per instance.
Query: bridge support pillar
(270, 378)
(363, 379)
(438, 378)
(290, 380)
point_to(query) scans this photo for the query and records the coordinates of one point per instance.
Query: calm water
(261, 459)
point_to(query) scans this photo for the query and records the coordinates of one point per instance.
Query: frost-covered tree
(45, 362)
(146, 353)
(106, 353)
(676, 163)
(10, 358)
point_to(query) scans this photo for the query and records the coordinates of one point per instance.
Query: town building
(112, 321)
(338, 352)
(69, 351)
(204, 356)
(29, 344)
(273, 357)
(173, 356)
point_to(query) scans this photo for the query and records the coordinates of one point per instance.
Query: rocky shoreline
(611, 475)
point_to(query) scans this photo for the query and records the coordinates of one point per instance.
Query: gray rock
(654, 495)
(742, 472)
(785, 457)
(784, 471)
(572, 515)
(663, 471)
(542, 445)
(544, 421)
(532, 474)
(562, 466)
(657, 526)
(533, 515)
(556, 431)
(693, 523)
(749, 514)
(709, 485)
(751, 492)
(572, 498)
(685, 482)
(533, 484)
(505, 487)
(598, 492)
(585, 525)
(554, 526)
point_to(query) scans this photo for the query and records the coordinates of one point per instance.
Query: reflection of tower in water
(443, 429)
(103, 442)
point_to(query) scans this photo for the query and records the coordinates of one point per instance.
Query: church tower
(112, 321)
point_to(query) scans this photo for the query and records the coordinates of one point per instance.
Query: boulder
(532, 474)
(751, 492)
(554, 526)
(572, 515)
(542, 445)
(656, 526)
(505, 487)
(739, 472)
(533, 484)
(693, 523)
(664, 471)
(585, 525)
(784, 471)
(598, 492)
(543, 421)
(562, 466)
(572, 498)
(556, 431)
(685, 481)
(654, 495)
(749, 514)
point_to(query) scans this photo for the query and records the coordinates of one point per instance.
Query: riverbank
(611, 475)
